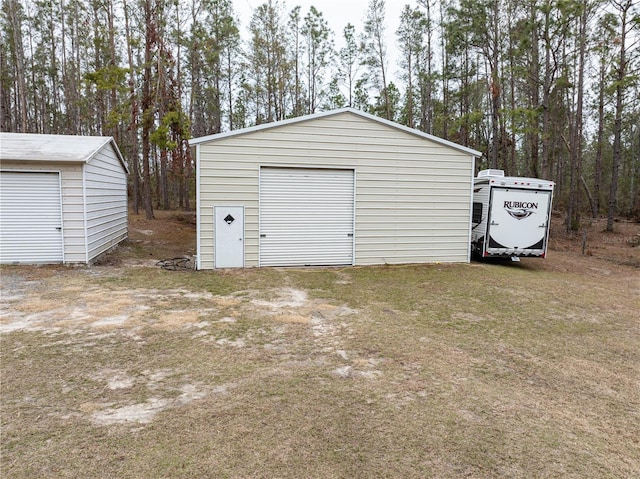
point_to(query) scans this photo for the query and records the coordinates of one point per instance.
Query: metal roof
(266, 126)
(54, 148)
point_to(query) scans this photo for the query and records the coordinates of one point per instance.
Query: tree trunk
(445, 71)
(147, 108)
(18, 53)
(573, 210)
(133, 120)
(113, 64)
(597, 177)
(100, 107)
(621, 72)
(534, 96)
(230, 87)
(496, 87)
(426, 87)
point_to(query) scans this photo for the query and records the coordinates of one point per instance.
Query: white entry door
(229, 234)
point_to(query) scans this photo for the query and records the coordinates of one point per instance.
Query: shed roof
(54, 148)
(353, 111)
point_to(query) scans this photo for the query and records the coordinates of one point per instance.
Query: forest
(543, 88)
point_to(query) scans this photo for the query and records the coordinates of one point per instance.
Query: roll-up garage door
(306, 217)
(30, 218)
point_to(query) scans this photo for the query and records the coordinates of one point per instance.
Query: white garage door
(30, 218)
(306, 217)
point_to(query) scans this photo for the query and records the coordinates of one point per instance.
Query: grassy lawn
(479, 370)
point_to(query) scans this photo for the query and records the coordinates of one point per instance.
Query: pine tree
(375, 52)
(349, 62)
(319, 47)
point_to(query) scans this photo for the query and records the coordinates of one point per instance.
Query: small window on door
(477, 213)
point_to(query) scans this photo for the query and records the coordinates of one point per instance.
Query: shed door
(229, 233)
(306, 217)
(30, 218)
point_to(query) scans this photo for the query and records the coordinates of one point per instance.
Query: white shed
(335, 188)
(63, 199)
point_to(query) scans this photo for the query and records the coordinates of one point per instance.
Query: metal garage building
(335, 188)
(63, 199)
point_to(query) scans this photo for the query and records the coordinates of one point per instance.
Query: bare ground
(483, 370)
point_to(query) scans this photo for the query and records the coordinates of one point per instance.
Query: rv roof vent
(484, 173)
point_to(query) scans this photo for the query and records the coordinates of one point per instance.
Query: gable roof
(353, 111)
(54, 148)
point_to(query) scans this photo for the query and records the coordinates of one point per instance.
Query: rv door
(518, 221)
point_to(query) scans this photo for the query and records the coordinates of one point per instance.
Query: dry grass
(481, 370)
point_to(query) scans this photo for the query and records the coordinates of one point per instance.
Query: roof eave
(86, 154)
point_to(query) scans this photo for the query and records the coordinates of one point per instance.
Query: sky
(337, 13)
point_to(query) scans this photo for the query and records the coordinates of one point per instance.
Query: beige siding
(412, 194)
(72, 204)
(106, 202)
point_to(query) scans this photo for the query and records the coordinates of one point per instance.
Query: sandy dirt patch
(70, 302)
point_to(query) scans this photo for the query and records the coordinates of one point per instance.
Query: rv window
(477, 213)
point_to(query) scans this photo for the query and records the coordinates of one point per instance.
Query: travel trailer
(511, 216)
